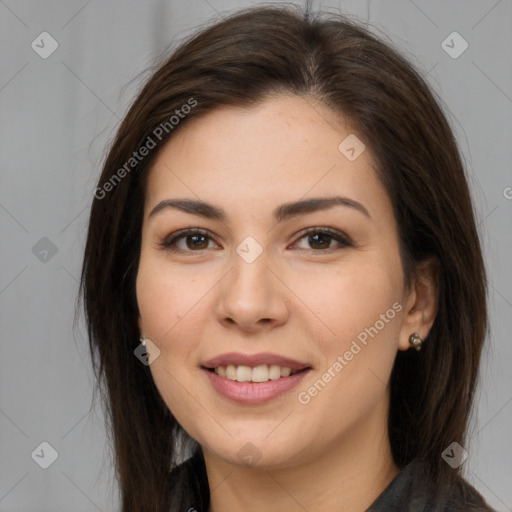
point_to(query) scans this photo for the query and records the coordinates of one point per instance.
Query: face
(278, 306)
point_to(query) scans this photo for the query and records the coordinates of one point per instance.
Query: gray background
(57, 115)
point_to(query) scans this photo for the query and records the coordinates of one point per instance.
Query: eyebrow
(284, 212)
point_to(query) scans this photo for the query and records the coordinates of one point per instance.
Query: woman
(283, 278)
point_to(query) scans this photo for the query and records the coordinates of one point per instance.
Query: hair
(239, 61)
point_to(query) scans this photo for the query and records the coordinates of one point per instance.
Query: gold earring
(415, 341)
(142, 340)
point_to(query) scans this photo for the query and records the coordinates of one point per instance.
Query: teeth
(231, 371)
(285, 372)
(261, 373)
(274, 372)
(243, 374)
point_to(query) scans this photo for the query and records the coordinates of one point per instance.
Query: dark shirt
(405, 493)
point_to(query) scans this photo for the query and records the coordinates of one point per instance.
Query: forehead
(284, 148)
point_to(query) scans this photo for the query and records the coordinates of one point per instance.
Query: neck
(348, 475)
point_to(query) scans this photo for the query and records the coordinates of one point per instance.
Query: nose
(251, 297)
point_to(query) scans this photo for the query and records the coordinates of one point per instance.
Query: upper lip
(267, 358)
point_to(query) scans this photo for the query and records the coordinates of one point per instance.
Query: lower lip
(254, 392)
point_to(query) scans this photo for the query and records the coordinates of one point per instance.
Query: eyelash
(169, 243)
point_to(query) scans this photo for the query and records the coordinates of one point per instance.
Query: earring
(142, 340)
(415, 341)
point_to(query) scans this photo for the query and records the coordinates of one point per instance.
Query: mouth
(253, 379)
(259, 374)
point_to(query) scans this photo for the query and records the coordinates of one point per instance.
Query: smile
(260, 373)
(250, 392)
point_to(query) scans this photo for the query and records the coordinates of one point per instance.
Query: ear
(421, 302)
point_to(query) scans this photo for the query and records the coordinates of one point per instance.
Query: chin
(258, 451)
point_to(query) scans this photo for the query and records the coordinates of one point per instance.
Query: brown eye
(196, 242)
(321, 239)
(193, 240)
(188, 240)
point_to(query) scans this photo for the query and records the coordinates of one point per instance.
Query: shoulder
(463, 496)
(409, 491)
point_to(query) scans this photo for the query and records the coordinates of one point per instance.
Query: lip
(253, 393)
(267, 358)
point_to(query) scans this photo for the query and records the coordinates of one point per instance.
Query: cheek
(351, 299)
(169, 315)
(164, 298)
(352, 381)
(361, 311)
(156, 298)
(174, 308)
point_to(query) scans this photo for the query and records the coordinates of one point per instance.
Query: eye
(194, 240)
(321, 238)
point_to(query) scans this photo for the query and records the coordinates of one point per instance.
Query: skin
(301, 298)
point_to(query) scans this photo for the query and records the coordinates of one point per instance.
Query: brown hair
(238, 61)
